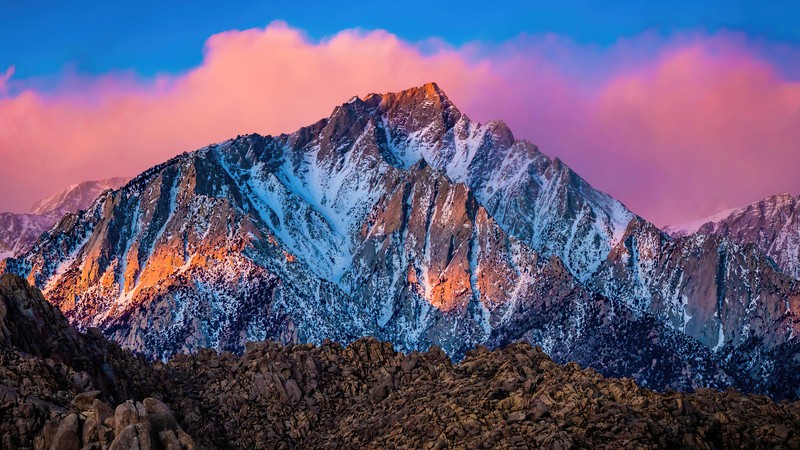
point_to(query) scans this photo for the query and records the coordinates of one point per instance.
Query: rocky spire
(417, 108)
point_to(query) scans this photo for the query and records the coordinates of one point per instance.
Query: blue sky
(43, 38)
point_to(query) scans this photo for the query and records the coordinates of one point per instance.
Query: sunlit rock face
(400, 218)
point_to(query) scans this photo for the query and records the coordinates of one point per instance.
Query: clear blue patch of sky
(42, 38)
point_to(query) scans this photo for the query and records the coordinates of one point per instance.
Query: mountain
(400, 218)
(18, 232)
(57, 388)
(728, 296)
(772, 224)
(75, 197)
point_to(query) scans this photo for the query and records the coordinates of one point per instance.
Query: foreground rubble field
(65, 390)
(366, 395)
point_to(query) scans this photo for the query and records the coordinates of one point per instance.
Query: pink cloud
(701, 124)
(700, 131)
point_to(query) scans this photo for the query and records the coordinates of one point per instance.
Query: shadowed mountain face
(400, 218)
(772, 224)
(18, 232)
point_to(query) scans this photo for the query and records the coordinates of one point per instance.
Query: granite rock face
(772, 224)
(728, 296)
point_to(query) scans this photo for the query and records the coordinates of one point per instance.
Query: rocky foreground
(61, 389)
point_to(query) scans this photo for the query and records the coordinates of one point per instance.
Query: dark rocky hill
(57, 388)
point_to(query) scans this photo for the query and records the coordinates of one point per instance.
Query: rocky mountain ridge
(75, 197)
(772, 224)
(18, 231)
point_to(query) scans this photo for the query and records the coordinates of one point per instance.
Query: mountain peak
(413, 110)
(768, 206)
(430, 91)
(429, 96)
(75, 197)
(398, 217)
(784, 197)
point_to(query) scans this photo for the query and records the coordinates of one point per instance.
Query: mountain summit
(400, 218)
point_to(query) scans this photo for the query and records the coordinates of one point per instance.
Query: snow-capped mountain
(75, 197)
(730, 297)
(18, 232)
(772, 224)
(401, 218)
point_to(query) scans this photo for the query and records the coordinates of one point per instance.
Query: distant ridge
(18, 232)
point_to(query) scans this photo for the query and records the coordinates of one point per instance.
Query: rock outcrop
(57, 385)
(364, 395)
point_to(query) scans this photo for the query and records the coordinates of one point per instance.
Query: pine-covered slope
(400, 218)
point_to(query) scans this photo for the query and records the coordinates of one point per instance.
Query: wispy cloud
(4, 77)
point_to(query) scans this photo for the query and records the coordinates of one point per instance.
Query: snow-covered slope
(18, 232)
(396, 217)
(536, 199)
(773, 224)
(715, 290)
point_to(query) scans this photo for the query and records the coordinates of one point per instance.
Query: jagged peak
(774, 203)
(782, 198)
(429, 90)
(416, 99)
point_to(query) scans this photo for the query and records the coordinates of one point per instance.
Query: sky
(677, 108)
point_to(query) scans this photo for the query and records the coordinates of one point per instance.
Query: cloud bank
(675, 128)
